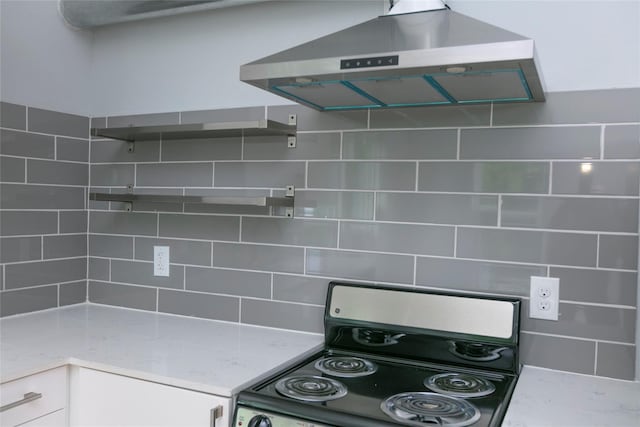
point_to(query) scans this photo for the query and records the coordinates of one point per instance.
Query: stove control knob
(259, 421)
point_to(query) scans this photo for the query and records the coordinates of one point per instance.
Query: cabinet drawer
(51, 384)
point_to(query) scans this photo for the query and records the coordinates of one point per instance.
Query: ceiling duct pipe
(87, 14)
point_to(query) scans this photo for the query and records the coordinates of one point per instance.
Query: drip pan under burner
(427, 409)
(311, 388)
(459, 385)
(346, 366)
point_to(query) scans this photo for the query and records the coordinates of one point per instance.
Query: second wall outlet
(544, 298)
(161, 261)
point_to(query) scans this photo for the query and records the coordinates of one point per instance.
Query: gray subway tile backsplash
(174, 175)
(484, 177)
(34, 196)
(599, 106)
(559, 353)
(539, 247)
(231, 282)
(258, 257)
(334, 204)
(27, 300)
(596, 178)
(210, 227)
(360, 265)
(15, 143)
(355, 178)
(13, 116)
(362, 175)
(119, 175)
(309, 146)
(616, 361)
(73, 293)
(287, 231)
(110, 246)
(44, 272)
(99, 269)
(57, 172)
(12, 169)
(201, 149)
(586, 321)
(16, 223)
(491, 277)
(437, 208)
(138, 297)
(56, 123)
(596, 286)
(568, 213)
(259, 174)
(310, 119)
(17, 249)
(533, 143)
(216, 307)
(622, 142)
(618, 251)
(73, 221)
(65, 246)
(180, 251)
(304, 289)
(76, 150)
(423, 117)
(400, 144)
(123, 223)
(112, 151)
(402, 238)
(282, 315)
(141, 273)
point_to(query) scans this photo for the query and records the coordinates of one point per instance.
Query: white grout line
(304, 261)
(341, 156)
(455, 241)
(415, 270)
(240, 221)
(458, 139)
(491, 115)
(499, 210)
(595, 360)
(416, 187)
(184, 278)
(597, 250)
(157, 299)
(550, 178)
(571, 337)
(271, 280)
(602, 132)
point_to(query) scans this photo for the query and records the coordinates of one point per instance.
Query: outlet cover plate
(161, 261)
(544, 298)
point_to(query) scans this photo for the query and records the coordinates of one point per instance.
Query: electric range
(397, 356)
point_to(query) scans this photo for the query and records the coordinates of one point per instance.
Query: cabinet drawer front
(56, 419)
(52, 385)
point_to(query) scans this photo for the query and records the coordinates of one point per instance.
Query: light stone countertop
(204, 355)
(223, 358)
(546, 398)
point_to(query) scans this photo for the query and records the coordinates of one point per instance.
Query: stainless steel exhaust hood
(436, 57)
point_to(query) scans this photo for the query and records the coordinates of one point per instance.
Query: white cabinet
(36, 401)
(103, 399)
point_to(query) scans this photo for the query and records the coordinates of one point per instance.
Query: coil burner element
(311, 388)
(427, 409)
(346, 366)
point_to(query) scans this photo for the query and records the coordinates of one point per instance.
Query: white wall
(43, 63)
(192, 62)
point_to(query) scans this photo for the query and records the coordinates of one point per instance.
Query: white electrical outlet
(161, 261)
(544, 298)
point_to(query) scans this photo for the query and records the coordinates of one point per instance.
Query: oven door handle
(214, 415)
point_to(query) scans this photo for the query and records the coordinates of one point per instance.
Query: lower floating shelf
(264, 201)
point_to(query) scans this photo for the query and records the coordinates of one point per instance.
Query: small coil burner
(311, 388)
(476, 352)
(346, 367)
(422, 409)
(459, 385)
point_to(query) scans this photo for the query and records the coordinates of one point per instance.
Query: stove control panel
(249, 417)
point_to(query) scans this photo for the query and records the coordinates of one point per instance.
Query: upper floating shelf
(198, 130)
